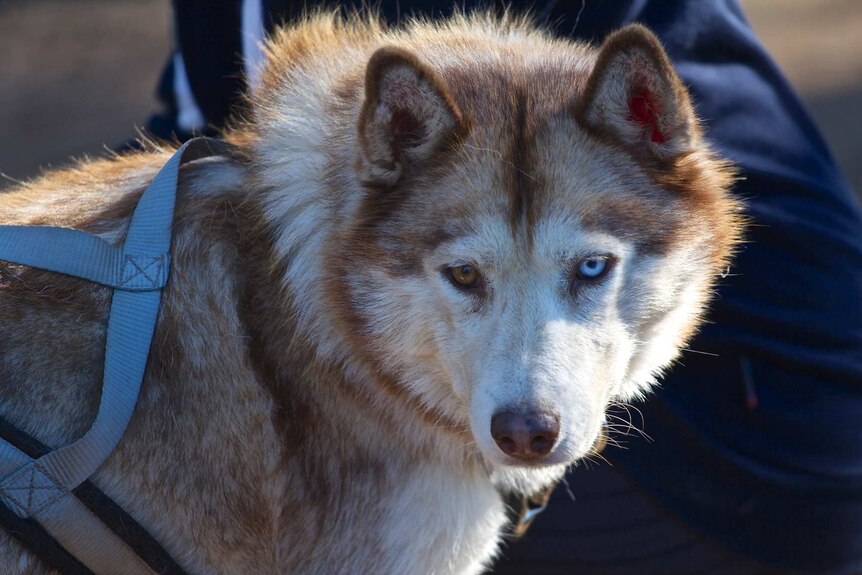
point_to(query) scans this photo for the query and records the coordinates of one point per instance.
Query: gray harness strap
(41, 488)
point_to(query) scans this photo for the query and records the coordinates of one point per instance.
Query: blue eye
(592, 267)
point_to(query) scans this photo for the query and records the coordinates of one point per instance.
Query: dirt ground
(79, 75)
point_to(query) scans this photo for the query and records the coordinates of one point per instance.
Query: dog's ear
(635, 93)
(407, 116)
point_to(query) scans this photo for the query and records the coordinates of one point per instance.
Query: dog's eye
(464, 276)
(593, 267)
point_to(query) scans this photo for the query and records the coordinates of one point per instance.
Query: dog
(432, 259)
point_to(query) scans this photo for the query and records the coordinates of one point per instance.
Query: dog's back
(185, 461)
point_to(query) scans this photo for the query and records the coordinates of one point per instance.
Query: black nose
(525, 436)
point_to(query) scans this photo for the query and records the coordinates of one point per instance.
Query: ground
(80, 75)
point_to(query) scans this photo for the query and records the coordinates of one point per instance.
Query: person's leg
(602, 523)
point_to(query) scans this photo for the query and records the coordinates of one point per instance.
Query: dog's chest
(439, 522)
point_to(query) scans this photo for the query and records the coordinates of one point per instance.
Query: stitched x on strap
(40, 488)
(61, 249)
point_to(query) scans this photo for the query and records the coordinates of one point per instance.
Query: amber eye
(464, 276)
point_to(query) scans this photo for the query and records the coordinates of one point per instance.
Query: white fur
(450, 521)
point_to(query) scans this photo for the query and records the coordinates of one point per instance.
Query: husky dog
(434, 258)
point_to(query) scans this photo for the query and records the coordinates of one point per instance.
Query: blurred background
(79, 75)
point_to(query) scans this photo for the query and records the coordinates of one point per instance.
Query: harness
(46, 502)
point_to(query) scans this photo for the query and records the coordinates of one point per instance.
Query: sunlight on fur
(435, 257)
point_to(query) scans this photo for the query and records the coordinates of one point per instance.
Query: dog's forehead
(528, 163)
(498, 80)
(556, 177)
(525, 139)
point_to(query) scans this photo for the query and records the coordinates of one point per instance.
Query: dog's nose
(525, 436)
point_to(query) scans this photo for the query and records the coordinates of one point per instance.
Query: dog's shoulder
(200, 401)
(52, 326)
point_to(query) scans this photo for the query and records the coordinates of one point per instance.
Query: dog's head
(529, 230)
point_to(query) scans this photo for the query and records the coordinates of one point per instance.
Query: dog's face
(528, 248)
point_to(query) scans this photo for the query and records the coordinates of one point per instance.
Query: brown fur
(250, 451)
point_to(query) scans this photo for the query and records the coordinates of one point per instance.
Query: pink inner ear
(643, 110)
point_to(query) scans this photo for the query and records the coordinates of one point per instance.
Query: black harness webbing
(31, 535)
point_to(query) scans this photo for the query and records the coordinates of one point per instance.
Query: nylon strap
(33, 536)
(41, 488)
